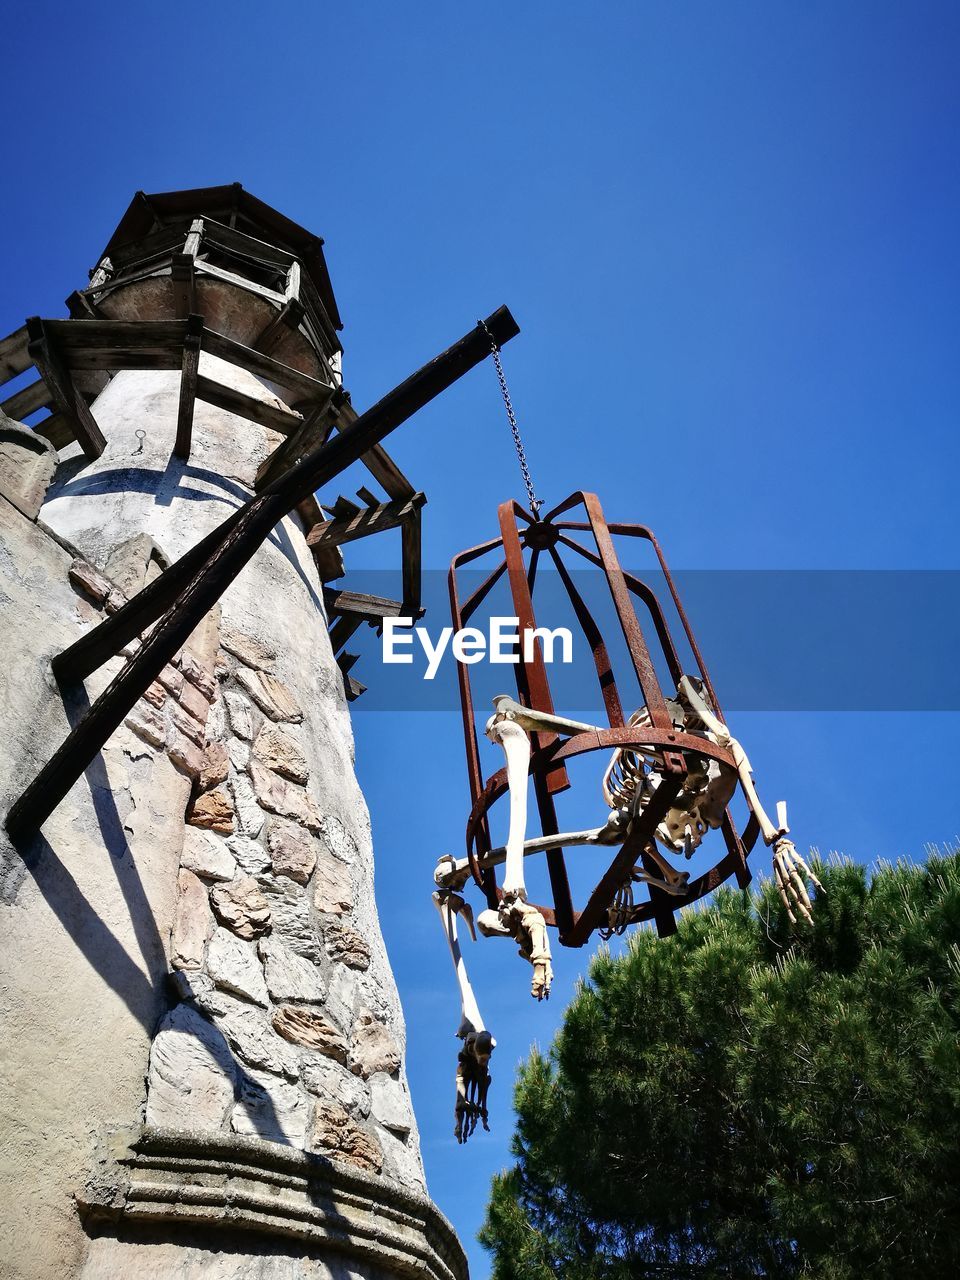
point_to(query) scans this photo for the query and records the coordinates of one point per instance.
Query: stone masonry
(203, 1065)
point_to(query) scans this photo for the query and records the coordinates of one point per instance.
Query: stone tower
(202, 1043)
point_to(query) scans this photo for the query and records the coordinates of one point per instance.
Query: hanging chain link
(535, 502)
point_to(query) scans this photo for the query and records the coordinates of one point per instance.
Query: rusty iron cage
(524, 540)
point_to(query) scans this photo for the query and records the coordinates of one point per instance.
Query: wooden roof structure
(216, 270)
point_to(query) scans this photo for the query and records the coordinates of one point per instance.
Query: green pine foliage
(743, 1100)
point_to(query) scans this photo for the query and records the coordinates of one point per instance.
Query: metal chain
(535, 502)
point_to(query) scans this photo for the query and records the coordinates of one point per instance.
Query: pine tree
(742, 1100)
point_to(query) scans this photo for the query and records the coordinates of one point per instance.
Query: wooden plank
(388, 515)
(182, 271)
(224, 237)
(343, 629)
(368, 608)
(83, 307)
(57, 429)
(125, 335)
(344, 509)
(64, 395)
(205, 268)
(410, 562)
(191, 245)
(378, 462)
(353, 688)
(310, 296)
(288, 317)
(129, 255)
(101, 273)
(149, 271)
(319, 341)
(112, 360)
(26, 401)
(14, 357)
(292, 288)
(189, 375)
(184, 290)
(316, 427)
(264, 366)
(286, 421)
(328, 560)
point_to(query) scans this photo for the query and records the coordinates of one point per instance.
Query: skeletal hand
(473, 1084)
(529, 928)
(791, 873)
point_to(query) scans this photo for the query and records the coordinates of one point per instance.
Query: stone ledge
(192, 1179)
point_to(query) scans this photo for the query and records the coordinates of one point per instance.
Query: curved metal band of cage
(601, 740)
(606, 740)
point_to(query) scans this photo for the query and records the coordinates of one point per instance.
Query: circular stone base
(165, 1203)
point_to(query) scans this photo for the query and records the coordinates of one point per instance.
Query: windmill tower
(203, 1045)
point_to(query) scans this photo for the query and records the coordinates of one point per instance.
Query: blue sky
(729, 234)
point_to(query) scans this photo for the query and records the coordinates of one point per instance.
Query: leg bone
(516, 747)
(450, 905)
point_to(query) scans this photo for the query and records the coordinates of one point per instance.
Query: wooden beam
(368, 608)
(410, 562)
(156, 336)
(286, 421)
(34, 396)
(64, 395)
(342, 630)
(14, 357)
(317, 425)
(240, 242)
(378, 462)
(264, 366)
(388, 515)
(112, 361)
(328, 560)
(57, 429)
(189, 375)
(101, 273)
(182, 271)
(310, 297)
(288, 317)
(184, 292)
(191, 246)
(344, 509)
(292, 287)
(353, 688)
(83, 307)
(221, 556)
(206, 268)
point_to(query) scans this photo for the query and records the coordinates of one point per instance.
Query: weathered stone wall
(84, 918)
(193, 942)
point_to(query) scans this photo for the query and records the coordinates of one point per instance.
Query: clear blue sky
(730, 235)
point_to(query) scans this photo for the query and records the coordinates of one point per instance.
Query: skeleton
(473, 1075)
(630, 780)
